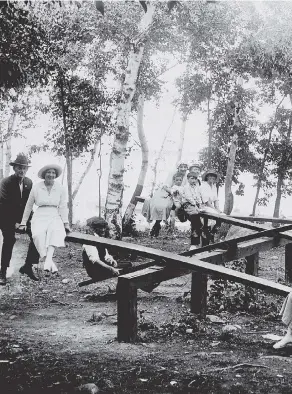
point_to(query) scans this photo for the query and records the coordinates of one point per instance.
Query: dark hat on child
(96, 222)
(21, 160)
(210, 172)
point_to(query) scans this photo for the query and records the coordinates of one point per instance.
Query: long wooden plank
(197, 265)
(242, 223)
(262, 219)
(235, 222)
(158, 273)
(235, 241)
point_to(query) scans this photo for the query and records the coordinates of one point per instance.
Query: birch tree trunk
(210, 133)
(1, 159)
(229, 174)
(89, 165)
(181, 138)
(158, 158)
(144, 166)
(69, 185)
(117, 159)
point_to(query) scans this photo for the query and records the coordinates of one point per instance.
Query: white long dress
(47, 225)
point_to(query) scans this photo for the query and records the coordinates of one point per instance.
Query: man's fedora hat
(21, 160)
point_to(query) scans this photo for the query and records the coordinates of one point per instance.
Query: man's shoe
(3, 280)
(27, 270)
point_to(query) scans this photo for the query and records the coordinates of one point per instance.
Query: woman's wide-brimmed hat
(43, 170)
(96, 222)
(210, 172)
(21, 160)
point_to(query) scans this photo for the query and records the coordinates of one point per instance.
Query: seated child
(209, 196)
(191, 202)
(99, 264)
(176, 190)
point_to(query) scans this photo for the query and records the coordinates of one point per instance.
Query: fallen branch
(236, 367)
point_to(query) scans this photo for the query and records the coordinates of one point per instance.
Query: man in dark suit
(14, 192)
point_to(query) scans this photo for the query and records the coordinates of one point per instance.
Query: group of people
(47, 226)
(185, 195)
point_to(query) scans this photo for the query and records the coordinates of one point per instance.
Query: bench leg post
(288, 263)
(252, 264)
(199, 294)
(127, 311)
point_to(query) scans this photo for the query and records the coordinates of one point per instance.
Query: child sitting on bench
(99, 264)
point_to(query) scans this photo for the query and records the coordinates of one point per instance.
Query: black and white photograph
(146, 197)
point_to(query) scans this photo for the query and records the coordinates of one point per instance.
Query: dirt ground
(56, 336)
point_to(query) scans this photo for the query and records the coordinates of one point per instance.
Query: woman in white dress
(50, 219)
(158, 207)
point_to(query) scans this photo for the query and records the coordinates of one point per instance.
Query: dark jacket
(12, 204)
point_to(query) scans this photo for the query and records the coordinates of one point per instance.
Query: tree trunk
(181, 139)
(210, 133)
(89, 165)
(280, 181)
(263, 163)
(144, 166)
(160, 155)
(1, 160)
(69, 163)
(68, 154)
(8, 138)
(117, 160)
(229, 174)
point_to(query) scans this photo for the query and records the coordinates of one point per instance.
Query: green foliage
(86, 111)
(24, 48)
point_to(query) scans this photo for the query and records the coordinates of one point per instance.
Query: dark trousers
(32, 256)
(8, 232)
(196, 229)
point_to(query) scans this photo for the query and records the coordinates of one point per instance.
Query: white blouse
(208, 193)
(40, 196)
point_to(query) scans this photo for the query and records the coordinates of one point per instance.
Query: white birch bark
(117, 159)
(1, 159)
(144, 166)
(181, 139)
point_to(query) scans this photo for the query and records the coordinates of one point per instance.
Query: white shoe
(48, 265)
(54, 268)
(283, 342)
(192, 247)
